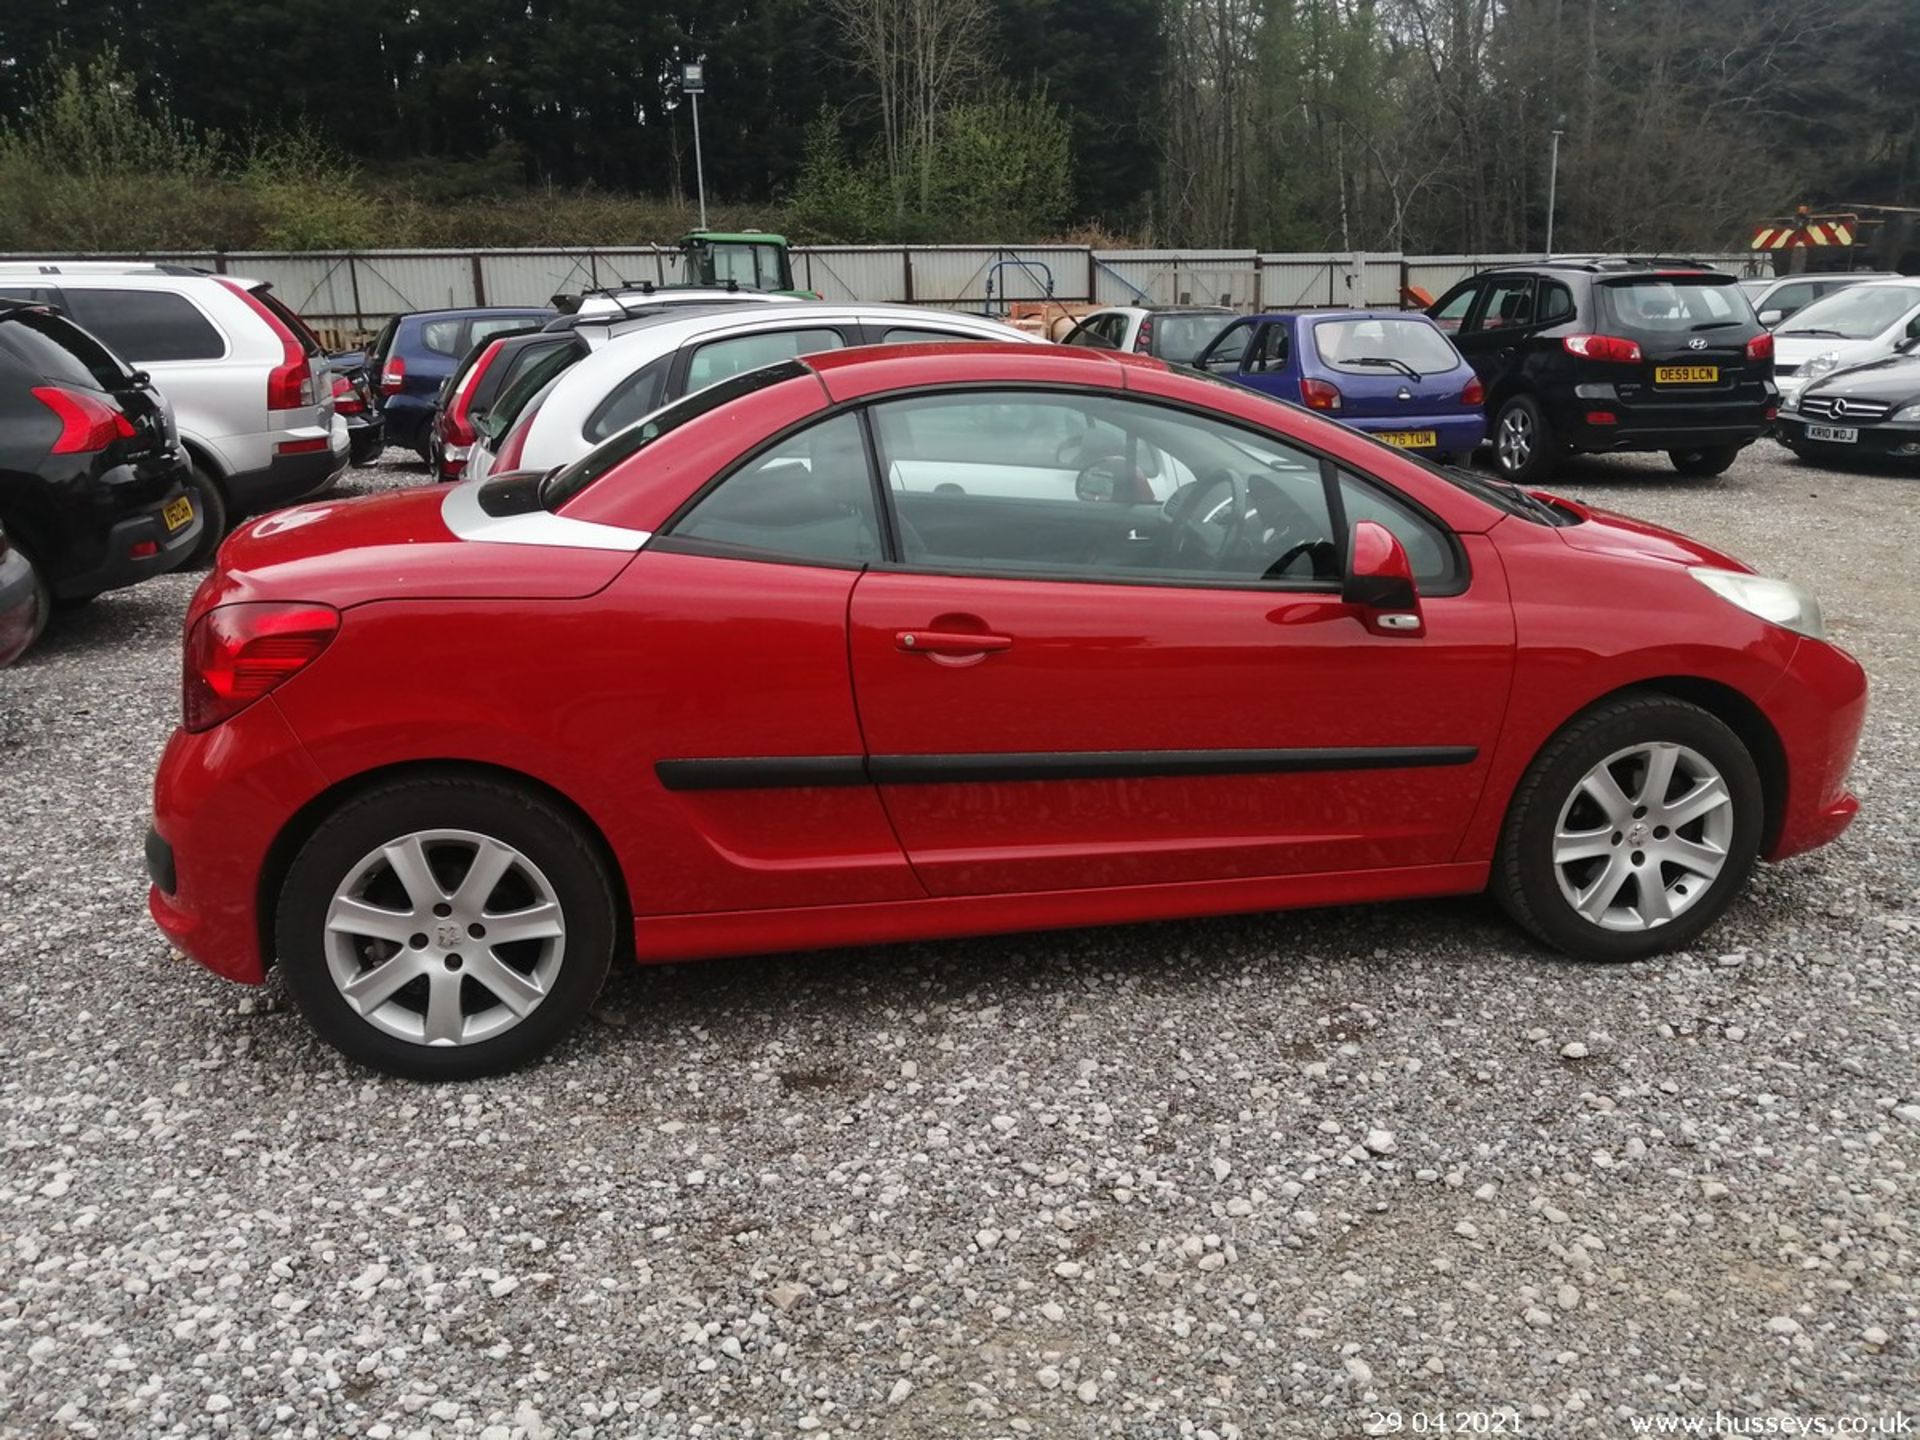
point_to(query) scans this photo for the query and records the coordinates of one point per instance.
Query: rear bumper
(19, 605)
(120, 565)
(1667, 425)
(1453, 434)
(1817, 709)
(219, 800)
(286, 479)
(366, 438)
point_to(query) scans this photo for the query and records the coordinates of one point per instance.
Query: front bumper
(220, 798)
(1879, 441)
(138, 547)
(1817, 710)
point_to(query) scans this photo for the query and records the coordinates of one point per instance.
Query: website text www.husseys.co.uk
(1721, 1423)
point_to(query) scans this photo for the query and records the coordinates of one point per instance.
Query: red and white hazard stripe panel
(1794, 237)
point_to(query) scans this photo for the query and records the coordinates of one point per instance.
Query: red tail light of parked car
(346, 400)
(87, 423)
(1319, 394)
(1615, 348)
(393, 379)
(237, 653)
(1760, 347)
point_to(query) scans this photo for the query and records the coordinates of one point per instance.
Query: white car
(1869, 321)
(635, 367)
(248, 382)
(630, 300)
(1174, 333)
(1778, 298)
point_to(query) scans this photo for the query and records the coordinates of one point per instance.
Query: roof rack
(1596, 264)
(569, 303)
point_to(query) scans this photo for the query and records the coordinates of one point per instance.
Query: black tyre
(1524, 447)
(1632, 831)
(446, 928)
(42, 597)
(1709, 460)
(210, 504)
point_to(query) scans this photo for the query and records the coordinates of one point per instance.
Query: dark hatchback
(414, 354)
(1602, 355)
(93, 483)
(1871, 412)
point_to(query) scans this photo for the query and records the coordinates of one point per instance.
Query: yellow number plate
(1409, 439)
(178, 513)
(1686, 374)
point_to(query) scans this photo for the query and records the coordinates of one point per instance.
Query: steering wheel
(1188, 545)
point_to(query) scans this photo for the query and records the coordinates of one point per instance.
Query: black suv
(92, 477)
(1614, 354)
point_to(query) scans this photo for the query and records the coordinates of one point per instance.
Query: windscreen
(302, 331)
(1660, 305)
(565, 483)
(1367, 347)
(1178, 338)
(1859, 312)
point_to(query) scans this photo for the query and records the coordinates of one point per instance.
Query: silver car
(247, 381)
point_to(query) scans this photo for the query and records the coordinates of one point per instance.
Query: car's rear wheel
(210, 504)
(1632, 831)
(1708, 460)
(1524, 448)
(446, 928)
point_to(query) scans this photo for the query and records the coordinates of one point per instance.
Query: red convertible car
(905, 642)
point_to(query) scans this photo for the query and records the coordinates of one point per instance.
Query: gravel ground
(1262, 1176)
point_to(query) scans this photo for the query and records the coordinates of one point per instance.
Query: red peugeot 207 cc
(920, 641)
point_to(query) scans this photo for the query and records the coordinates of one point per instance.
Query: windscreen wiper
(1402, 366)
(1717, 324)
(1834, 333)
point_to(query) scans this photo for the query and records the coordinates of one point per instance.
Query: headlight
(1821, 364)
(1781, 601)
(1789, 400)
(1907, 414)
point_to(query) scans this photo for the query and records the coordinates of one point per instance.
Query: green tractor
(751, 259)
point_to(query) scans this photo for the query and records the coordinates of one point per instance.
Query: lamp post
(693, 84)
(1553, 181)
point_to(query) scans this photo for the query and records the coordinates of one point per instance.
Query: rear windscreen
(1673, 305)
(1178, 338)
(1367, 347)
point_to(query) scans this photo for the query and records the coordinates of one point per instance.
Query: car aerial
(1175, 333)
(413, 355)
(1780, 297)
(1598, 355)
(1864, 322)
(353, 402)
(1392, 374)
(93, 484)
(724, 685)
(23, 602)
(1868, 412)
(646, 365)
(247, 382)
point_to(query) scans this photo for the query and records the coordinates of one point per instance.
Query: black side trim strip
(782, 773)
(776, 773)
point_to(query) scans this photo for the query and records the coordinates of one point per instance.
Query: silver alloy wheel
(1643, 836)
(1515, 442)
(445, 937)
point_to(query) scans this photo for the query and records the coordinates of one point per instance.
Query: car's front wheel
(1632, 831)
(1707, 460)
(1524, 447)
(446, 928)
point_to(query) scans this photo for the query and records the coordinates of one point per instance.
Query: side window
(1428, 551)
(1089, 335)
(1144, 493)
(902, 335)
(1509, 304)
(723, 359)
(441, 336)
(1230, 348)
(1270, 350)
(1451, 313)
(1789, 298)
(32, 294)
(808, 498)
(1556, 303)
(637, 396)
(479, 330)
(147, 325)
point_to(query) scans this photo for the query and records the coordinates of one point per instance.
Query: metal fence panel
(853, 272)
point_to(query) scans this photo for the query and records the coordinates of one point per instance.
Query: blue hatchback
(415, 353)
(1391, 373)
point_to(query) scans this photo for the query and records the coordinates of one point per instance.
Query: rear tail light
(394, 377)
(346, 399)
(290, 383)
(1475, 394)
(1602, 417)
(87, 423)
(1616, 349)
(514, 446)
(458, 414)
(1143, 342)
(237, 653)
(1760, 347)
(1319, 394)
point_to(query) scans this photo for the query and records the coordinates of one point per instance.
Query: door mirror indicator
(1379, 582)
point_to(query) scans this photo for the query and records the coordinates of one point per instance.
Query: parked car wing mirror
(1379, 581)
(1772, 317)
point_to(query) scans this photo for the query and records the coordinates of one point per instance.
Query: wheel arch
(204, 460)
(310, 816)
(1732, 709)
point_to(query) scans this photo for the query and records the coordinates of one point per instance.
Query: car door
(1068, 693)
(1223, 354)
(1497, 328)
(1269, 364)
(1450, 311)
